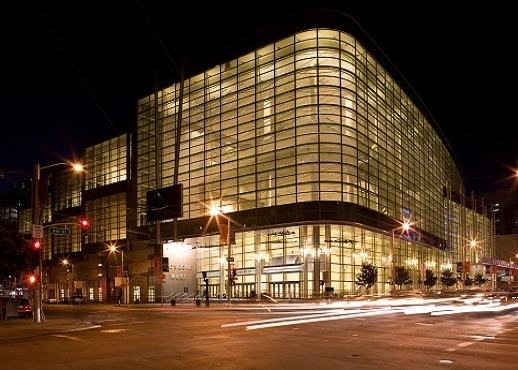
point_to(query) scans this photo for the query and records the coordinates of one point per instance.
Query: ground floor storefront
(299, 262)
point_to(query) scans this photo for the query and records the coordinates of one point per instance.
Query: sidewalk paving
(13, 327)
(23, 328)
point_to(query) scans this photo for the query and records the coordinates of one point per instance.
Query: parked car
(24, 307)
(77, 299)
(64, 300)
(51, 300)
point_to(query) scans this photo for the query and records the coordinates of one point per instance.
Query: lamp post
(259, 263)
(392, 265)
(404, 227)
(511, 270)
(67, 263)
(216, 211)
(229, 252)
(37, 228)
(114, 249)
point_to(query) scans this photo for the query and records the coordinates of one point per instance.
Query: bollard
(173, 302)
(198, 302)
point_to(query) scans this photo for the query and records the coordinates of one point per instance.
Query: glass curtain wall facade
(99, 195)
(311, 121)
(106, 165)
(67, 193)
(106, 208)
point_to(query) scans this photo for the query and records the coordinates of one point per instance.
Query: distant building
(504, 203)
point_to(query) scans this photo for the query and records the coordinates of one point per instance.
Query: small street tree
(402, 276)
(468, 281)
(368, 276)
(430, 279)
(448, 279)
(479, 280)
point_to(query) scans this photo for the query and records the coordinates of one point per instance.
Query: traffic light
(36, 244)
(85, 224)
(33, 279)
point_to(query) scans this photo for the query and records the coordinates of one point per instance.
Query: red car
(24, 308)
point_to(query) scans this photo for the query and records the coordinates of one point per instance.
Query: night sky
(74, 69)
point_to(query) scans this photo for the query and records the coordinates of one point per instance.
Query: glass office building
(317, 151)
(317, 154)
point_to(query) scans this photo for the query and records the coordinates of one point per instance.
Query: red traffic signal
(33, 279)
(85, 224)
(36, 244)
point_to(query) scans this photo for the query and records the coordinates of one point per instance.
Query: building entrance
(285, 290)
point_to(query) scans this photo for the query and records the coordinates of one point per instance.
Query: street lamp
(37, 227)
(114, 249)
(511, 270)
(216, 211)
(67, 263)
(404, 227)
(259, 265)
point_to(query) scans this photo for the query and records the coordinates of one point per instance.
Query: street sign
(230, 259)
(37, 231)
(59, 231)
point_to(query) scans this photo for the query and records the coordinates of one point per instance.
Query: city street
(429, 334)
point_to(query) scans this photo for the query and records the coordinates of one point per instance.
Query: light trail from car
(344, 310)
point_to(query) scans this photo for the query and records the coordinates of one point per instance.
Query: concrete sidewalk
(13, 327)
(24, 328)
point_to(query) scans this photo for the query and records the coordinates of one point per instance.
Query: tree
(479, 280)
(430, 279)
(447, 278)
(468, 281)
(368, 276)
(402, 276)
(16, 254)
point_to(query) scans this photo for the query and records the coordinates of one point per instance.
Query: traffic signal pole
(37, 224)
(36, 221)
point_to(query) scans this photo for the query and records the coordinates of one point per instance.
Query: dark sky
(73, 69)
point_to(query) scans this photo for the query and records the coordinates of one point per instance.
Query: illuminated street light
(114, 249)
(472, 247)
(259, 265)
(37, 227)
(404, 227)
(216, 211)
(67, 263)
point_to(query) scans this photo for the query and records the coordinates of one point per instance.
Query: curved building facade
(316, 152)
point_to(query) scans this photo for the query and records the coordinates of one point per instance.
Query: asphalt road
(336, 335)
